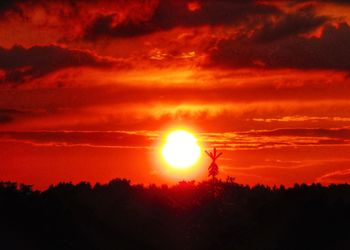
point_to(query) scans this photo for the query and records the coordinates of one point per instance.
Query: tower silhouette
(213, 169)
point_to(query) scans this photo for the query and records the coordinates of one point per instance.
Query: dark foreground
(186, 216)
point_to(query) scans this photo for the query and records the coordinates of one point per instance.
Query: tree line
(119, 215)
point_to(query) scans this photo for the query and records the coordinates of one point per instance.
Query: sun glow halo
(181, 150)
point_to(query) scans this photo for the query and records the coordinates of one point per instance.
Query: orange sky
(88, 88)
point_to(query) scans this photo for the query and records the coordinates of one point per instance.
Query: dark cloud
(14, 5)
(301, 21)
(340, 1)
(10, 5)
(5, 119)
(175, 13)
(8, 115)
(137, 17)
(323, 1)
(21, 64)
(329, 51)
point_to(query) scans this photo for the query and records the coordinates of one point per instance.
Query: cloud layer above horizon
(249, 76)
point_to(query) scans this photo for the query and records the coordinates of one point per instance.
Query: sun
(181, 149)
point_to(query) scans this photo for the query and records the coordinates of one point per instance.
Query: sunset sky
(89, 88)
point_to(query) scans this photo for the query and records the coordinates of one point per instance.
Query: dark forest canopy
(119, 215)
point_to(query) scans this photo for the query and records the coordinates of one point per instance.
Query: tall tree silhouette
(213, 168)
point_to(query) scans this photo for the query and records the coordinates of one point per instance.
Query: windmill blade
(209, 154)
(218, 155)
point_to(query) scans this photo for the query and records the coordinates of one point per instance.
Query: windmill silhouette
(213, 168)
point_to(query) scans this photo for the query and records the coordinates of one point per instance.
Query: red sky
(88, 88)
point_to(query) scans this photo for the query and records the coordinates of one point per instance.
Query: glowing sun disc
(181, 149)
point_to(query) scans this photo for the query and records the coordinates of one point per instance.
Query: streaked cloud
(250, 140)
(114, 139)
(335, 177)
